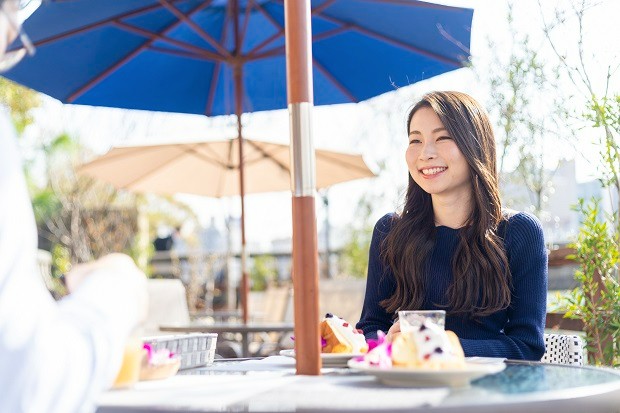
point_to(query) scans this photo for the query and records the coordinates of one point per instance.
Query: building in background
(560, 222)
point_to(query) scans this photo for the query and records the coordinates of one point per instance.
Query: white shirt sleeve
(54, 357)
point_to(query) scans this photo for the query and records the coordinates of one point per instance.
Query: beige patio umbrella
(211, 168)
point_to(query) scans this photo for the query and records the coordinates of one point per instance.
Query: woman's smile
(432, 172)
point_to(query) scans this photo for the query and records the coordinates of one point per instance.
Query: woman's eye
(414, 141)
(443, 138)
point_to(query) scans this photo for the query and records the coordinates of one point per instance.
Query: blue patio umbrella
(181, 56)
(217, 57)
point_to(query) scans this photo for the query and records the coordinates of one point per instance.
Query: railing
(555, 320)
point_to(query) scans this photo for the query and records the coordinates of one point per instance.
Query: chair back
(563, 349)
(342, 297)
(271, 306)
(167, 305)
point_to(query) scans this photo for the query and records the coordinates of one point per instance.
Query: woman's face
(435, 163)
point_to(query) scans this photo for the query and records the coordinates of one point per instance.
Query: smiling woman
(435, 162)
(453, 247)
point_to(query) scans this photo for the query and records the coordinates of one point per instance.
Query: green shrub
(597, 301)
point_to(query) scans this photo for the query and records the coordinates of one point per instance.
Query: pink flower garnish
(372, 343)
(157, 356)
(149, 350)
(323, 341)
(379, 352)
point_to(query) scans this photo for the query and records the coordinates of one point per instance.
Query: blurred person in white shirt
(54, 356)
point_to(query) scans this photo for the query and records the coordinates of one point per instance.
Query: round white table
(270, 385)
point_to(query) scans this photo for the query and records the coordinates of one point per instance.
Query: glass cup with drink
(411, 320)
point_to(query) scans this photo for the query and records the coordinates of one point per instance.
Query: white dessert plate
(409, 377)
(328, 359)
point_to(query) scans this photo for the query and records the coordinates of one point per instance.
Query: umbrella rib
(395, 42)
(225, 166)
(155, 36)
(280, 50)
(268, 16)
(151, 171)
(179, 53)
(252, 53)
(322, 7)
(415, 3)
(91, 83)
(195, 27)
(318, 12)
(211, 97)
(129, 152)
(270, 39)
(409, 3)
(230, 161)
(96, 25)
(346, 26)
(330, 33)
(335, 81)
(193, 151)
(244, 30)
(266, 155)
(231, 142)
(342, 162)
(216, 72)
(108, 158)
(185, 149)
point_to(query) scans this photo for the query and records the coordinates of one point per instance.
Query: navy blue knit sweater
(515, 333)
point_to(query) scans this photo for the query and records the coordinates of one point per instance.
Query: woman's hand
(111, 263)
(393, 332)
(133, 280)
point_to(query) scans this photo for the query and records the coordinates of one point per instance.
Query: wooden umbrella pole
(305, 253)
(238, 79)
(244, 290)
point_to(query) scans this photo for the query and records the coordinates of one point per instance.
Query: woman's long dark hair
(481, 284)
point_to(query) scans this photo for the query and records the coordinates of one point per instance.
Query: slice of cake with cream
(338, 336)
(427, 347)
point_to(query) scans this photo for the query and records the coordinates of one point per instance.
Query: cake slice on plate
(338, 336)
